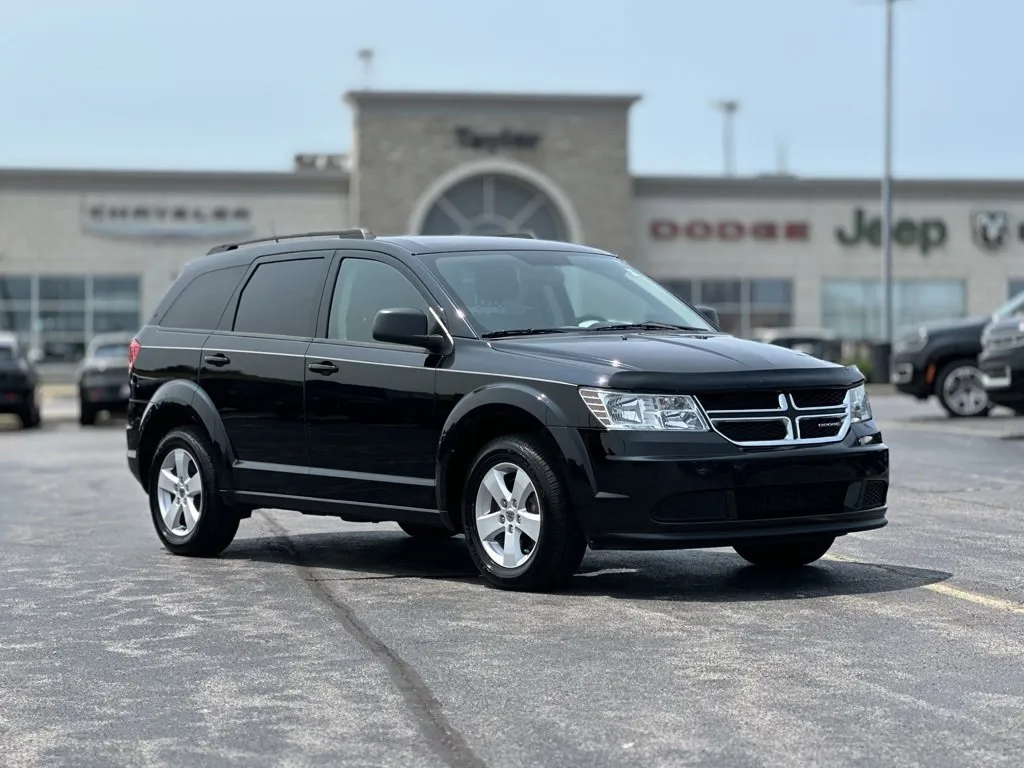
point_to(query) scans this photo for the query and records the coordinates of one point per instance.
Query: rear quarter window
(201, 302)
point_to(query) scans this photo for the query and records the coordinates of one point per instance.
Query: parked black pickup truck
(941, 359)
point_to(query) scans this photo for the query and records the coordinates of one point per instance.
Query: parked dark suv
(103, 377)
(19, 382)
(537, 396)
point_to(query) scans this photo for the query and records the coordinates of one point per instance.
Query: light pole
(887, 298)
(728, 108)
(887, 319)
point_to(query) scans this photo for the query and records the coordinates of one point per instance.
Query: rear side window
(200, 304)
(6, 353)
(281, 298)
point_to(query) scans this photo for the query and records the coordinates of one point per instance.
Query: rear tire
(960, 391)
(184, 499)
(785, 553)
(418, 531)
(514, 490)
(86, 414)
(30, 417)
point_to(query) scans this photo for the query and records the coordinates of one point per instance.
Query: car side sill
(356, 511)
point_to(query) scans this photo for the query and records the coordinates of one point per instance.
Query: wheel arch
(505, 409)
(183, 403)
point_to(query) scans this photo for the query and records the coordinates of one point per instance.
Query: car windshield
(111, 350)
(508, 292)
(1013, 307)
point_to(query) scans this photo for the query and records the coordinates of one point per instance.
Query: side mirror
(407, 326)
(711, 315)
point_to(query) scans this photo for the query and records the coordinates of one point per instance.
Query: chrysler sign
(148, 221)
(729, 230)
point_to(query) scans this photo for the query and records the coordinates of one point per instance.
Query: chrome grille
(1004, 340)
(799, 417)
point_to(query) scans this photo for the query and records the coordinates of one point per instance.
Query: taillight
(133, 352)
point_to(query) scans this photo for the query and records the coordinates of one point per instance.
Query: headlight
(912, 342)
(628, 410)
(860, 406)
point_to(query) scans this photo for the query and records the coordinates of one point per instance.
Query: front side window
(363, 288)
(559, 291)
(281, 298)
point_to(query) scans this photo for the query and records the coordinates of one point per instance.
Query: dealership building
(89, 251)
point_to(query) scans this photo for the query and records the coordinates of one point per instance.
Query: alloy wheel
(180, 492)
(508, 515)
(963, 391)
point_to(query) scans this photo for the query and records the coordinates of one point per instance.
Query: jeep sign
(926, 235)
(728, 230)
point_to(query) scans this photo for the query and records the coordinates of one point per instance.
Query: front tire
(426, 531)
(184, 502)
(519, 523)
(960, 390)
(786, 553)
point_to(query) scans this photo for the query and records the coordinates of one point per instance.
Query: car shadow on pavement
(686, 576)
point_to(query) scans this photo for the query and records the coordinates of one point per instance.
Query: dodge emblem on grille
(829, 424)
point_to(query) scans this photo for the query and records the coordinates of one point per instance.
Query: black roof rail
(360, 233)
(525, 233)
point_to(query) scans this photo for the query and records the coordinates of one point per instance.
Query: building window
(58, 314)
(853, 308)
(493, 204)
(1016, 286)
(742, 305)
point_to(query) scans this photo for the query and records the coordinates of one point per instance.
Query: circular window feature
(495, 205)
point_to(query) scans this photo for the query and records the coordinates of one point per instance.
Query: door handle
(217, 359)
(325, 368)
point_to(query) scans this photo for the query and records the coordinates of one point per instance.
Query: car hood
(940, 327)
(677, 361)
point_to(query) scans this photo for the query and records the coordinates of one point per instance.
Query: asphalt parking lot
(316, 642)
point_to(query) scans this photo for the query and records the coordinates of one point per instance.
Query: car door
(371, 417)
(253, 368)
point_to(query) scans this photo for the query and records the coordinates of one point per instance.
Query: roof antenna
(781, 157)
(366, 56)
(273, 231)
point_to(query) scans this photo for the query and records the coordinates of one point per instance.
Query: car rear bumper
(651, 492)
(15, 400)
(106, 396)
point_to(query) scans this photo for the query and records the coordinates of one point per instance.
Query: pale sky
(233, 85)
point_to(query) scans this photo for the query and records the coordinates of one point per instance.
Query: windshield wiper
(646, 326)
(526, 332)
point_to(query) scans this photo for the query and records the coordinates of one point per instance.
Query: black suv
(537, 396)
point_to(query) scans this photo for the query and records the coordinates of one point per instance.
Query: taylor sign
(492, 142)
(729, 230)
(150, 221)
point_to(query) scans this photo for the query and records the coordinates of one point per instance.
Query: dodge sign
(729, 230)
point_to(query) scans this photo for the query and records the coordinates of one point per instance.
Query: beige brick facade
(407, 142)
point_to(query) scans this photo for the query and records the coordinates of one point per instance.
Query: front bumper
(911, 375)
(1002, 373)
(654, 491)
